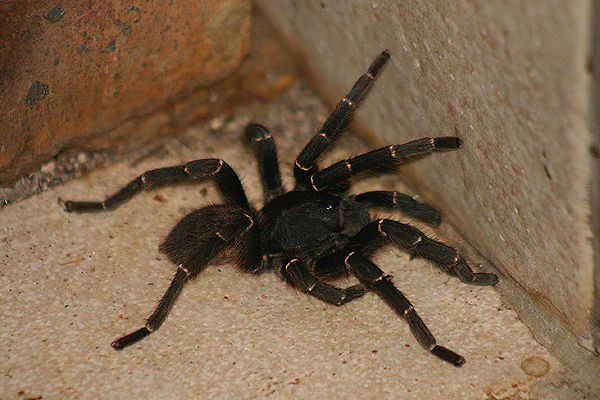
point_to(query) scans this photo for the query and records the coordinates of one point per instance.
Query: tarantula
(309, 236)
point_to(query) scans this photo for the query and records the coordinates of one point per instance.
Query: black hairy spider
(309, 236)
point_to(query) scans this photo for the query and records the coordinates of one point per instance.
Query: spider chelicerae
(309, 236)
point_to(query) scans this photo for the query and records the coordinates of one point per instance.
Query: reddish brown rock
(108, 74)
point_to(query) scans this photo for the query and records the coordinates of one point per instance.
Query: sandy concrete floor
(73, 283)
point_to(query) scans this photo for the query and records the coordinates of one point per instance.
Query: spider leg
(375, 278)
(377, 233)
(396, 200)
(192, 245)
(374, 235)
(194, 171)
(297, 275)
(160, 313)
(266, 154)
(184, 272)
(336, 123)
(393, 154)
(447, 257)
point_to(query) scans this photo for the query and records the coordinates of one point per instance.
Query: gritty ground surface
(73, 283)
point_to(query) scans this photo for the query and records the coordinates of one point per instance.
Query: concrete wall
(513, 80)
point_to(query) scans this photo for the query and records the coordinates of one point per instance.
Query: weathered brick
(107, 74)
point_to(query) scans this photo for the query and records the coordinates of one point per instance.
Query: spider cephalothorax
(309, 236)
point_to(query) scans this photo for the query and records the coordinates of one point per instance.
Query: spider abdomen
(206, 232)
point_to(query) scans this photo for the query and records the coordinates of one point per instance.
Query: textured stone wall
(513, 80)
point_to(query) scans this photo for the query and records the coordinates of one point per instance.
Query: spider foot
(447, 143)
(427, 214)
(81, 206)
(130, 339)
(353, 292)
(448, 356)
(484, 279)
